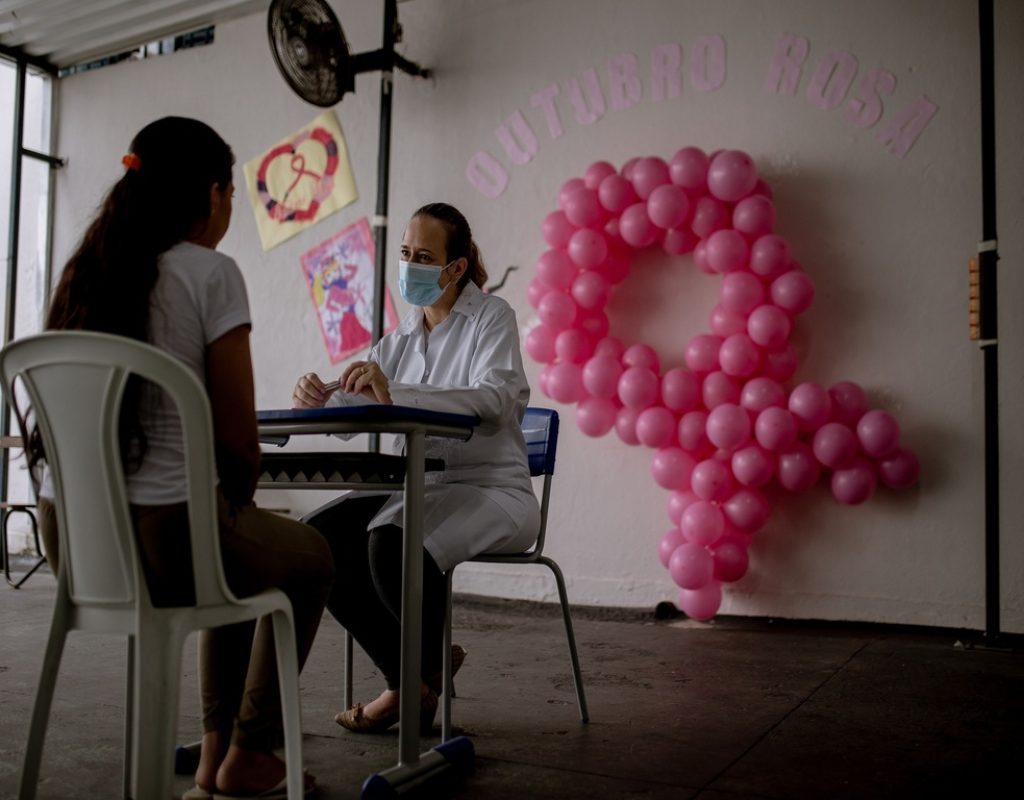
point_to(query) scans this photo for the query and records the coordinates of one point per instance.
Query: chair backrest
(75, 381)
(540, 429)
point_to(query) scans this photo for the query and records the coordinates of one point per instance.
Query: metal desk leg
(414, 770)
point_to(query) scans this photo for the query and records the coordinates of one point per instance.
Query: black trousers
(367, 594)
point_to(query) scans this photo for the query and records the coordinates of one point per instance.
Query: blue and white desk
(383, 472)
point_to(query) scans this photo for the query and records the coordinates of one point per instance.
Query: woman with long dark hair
(147, 268)
(456, 351)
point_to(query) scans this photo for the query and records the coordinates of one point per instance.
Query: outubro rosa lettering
(835, 81)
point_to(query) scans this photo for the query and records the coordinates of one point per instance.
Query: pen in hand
(330, 387)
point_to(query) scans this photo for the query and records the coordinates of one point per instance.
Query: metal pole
(13, 226)
(988, 256)
(380, 219)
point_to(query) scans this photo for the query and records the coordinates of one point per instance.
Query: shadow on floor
(734, 709)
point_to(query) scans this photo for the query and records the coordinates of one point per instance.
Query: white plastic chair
(75, 382)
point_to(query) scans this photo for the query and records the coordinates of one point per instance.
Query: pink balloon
(641, 355)
(610, 346)
(731, 175)
(556, 229)
(780, 365)
(793, 291)
(591, 290)
(854, 484)
(693, 437)
(556, 269)
(703, 603)
(570, 186)
(595, 416)
(748, 510)
(596, 173)
(769, 256)
(719, 388)
(754, 216)
(535, 290)
(768, 326)
(647, 175)
(900, 470)
(540, 344)
(849, 403)
(727, 251)
(711, 480)
(615, 267)
(753, 466)
(700, 257)
(625, 425)
(760, 393)
(668, 544)
(593, 323)
(702, 523)
(701, 353)
(878, 433)
(668, 206)
(656, 426)
(731, 559)
(628, 167)
(709, 215)
(671, 466)
(834, 445)
(741, 292)
(726, 323)
(543, 378)
(601, 376)
(565, 383)
(678, 241)
(798, 468)
(811, 406)
(556, 310)
(638, 388)
(775, 429)
(763, 189)
(587, 248)
(689, 169)
(636, 227)
(728, 426)
(583, 209)
(739, 356)
(616, 194)
(691, 566)
(573, 345)
(678, 502)
(680, 390)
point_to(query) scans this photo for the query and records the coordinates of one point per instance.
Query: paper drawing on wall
(725, 426)
(339, 273)
(300, 180)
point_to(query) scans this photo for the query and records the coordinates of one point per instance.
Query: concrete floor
(734, 709)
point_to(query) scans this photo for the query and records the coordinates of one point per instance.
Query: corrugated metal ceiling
(64, 33)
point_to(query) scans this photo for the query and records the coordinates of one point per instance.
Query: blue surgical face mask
(419, 282)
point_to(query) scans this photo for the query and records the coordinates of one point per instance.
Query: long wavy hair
(163, 198)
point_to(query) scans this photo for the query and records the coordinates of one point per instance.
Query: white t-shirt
(199, 296)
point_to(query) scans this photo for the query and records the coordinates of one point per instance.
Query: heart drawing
(725, 425)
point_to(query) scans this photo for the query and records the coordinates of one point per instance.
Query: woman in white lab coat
(457, 351)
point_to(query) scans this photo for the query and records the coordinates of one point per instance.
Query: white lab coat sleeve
(496, 390)
(341, 399)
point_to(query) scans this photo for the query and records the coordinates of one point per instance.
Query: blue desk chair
(540, 429)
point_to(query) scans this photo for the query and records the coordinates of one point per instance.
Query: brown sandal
(355, 719)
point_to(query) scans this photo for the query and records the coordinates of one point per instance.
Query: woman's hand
(365, 378)
(310, 392)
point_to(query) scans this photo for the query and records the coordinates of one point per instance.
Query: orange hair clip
(131, 161)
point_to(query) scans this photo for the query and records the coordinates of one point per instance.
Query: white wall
(886, 239)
